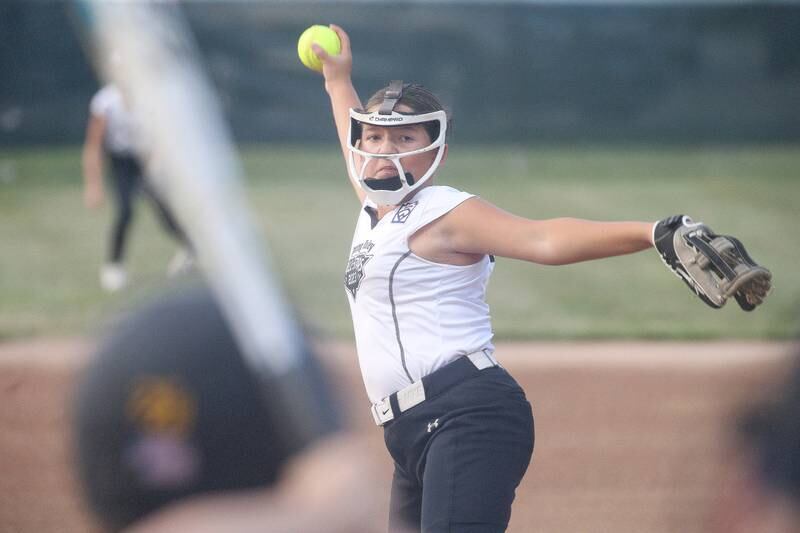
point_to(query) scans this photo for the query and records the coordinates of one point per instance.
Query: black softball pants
(459, 457)
(127, 180)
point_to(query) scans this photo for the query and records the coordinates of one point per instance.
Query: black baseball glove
(715, 267)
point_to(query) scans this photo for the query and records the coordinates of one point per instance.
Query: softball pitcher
(457, 425)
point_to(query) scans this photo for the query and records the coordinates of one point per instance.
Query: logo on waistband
(355, 266)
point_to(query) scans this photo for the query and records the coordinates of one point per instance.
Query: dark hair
(419, 100)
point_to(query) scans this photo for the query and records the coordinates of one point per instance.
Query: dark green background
(522, 72)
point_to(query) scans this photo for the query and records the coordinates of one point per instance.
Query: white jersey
(121, 133)
(412, 316)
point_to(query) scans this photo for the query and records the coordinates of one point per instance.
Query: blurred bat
(157, 67)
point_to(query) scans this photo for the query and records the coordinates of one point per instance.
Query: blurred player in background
(173, 435)
(458, 426)
(761, 493)
(112, 130)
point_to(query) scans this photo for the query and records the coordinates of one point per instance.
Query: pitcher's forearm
(575, 240)
(343, 97)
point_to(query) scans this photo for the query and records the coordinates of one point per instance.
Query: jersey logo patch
(403, 212)
(355, 266)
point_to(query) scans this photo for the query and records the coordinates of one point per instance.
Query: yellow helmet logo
(161, 405)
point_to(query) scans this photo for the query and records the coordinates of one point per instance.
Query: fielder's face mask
(392, 190)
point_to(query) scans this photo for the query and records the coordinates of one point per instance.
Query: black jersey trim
(373, 216)
(394, 314)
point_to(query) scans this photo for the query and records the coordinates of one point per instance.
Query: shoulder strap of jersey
(431, 203)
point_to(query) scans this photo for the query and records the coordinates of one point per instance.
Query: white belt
(414, 394)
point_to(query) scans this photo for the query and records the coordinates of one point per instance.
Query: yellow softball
(323, 36)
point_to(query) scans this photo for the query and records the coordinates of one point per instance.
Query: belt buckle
(382, 412)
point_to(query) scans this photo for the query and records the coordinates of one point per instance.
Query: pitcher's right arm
(337, 71)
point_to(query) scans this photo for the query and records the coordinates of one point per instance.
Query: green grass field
(51, 247)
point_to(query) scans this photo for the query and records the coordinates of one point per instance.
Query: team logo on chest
(403, 212)
(355, 266)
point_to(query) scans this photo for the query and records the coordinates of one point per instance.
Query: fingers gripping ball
(324, 37)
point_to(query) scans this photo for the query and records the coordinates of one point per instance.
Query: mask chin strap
(388, 184)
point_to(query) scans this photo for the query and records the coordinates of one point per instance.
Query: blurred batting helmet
(772, 429)
(169, 408)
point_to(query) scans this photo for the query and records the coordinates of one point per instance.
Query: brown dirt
(630, 437)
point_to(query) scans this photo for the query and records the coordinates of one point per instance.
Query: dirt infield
(630, 437)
